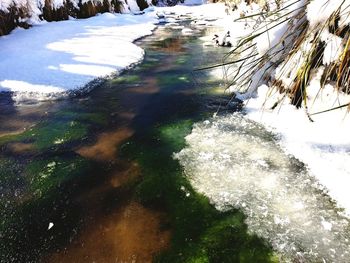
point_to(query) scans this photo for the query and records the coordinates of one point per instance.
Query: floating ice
(238, 164)
(50, 226)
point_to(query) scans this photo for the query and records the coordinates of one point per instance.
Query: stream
(138, 170)
(74, 173)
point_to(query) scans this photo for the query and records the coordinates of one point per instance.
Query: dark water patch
(125, 79)
(25, 234)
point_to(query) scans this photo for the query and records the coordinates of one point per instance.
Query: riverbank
(95, 179)
(60, 59)
(319, 140)
(26, 13)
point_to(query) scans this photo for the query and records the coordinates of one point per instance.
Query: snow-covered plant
(28, 12)
(288, 41)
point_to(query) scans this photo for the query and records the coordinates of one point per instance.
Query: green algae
(169, 81)
(200, 233)
(98, 117)
(182, 60)
(9, 169)
(33, 182)
(24, 223)
(56, 133)
(44, 175)
(125, 79)
(173, 134)
(50, 134)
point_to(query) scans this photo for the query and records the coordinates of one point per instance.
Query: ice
(50, 226)
(323, 145)
(238, 164)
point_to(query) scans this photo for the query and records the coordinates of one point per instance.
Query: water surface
(92, 178)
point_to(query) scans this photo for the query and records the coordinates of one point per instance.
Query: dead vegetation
(290, 63)
(19, 16)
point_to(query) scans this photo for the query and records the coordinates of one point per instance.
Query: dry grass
(296, 55)
(17, 14)
(11, 19)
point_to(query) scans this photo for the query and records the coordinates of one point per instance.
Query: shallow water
(238, 164)
(99, 170)
(66, 193)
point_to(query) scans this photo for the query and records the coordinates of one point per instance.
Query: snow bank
(57, 59)
(324, 145)
(23, 13)
(53, 59)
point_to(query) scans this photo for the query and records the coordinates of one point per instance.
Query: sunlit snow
(53, 60)
(238, 164)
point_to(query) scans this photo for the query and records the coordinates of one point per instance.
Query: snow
(194, 2)
(133, 7)
(237, 163)
(324, 145)
(54, 60)
(50, 226)
(319, 11)
(333, 49)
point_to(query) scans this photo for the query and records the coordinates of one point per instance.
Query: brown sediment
(140, 233)
(122, 231)
(106, 147)
(14, 127)
(19, 147)
(169, 64)
(9, 133)
(126, 115)
(121, 178)
(132, 234)
(172, 45)
(150, 87)
(17, 119)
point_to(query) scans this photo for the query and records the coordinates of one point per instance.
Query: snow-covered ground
(50, 60)
(324, 144)
(53, 60)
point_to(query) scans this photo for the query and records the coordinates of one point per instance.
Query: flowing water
(67, 193)
(93, 178)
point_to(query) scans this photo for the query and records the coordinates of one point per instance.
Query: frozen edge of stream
(59, 59)
(238, 164)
